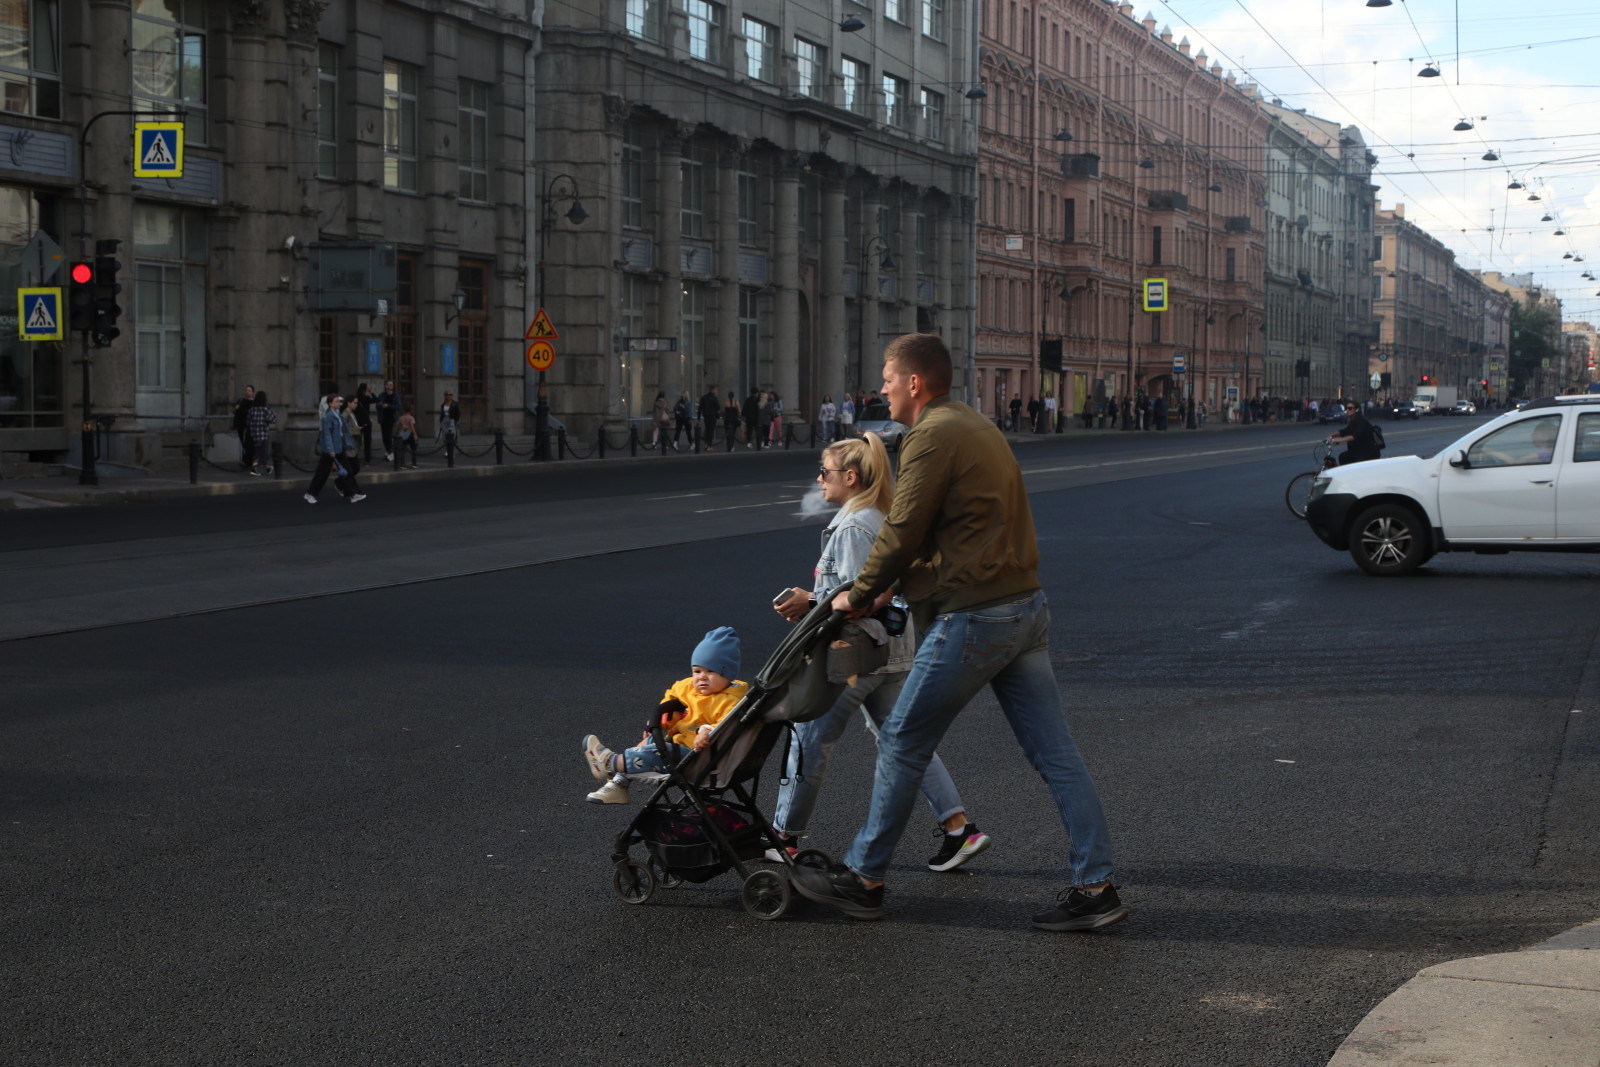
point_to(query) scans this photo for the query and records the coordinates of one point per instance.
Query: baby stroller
(702, 818)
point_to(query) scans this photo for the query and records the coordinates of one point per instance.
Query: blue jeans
(1006, 647)
(876, 695)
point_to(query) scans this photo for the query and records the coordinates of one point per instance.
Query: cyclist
(1359, 438)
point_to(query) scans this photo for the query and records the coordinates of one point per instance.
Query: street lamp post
(874, 244)
(554, 193)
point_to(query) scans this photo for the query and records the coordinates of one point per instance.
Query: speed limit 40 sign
(540, 355)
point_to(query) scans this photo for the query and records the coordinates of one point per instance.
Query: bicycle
(1298, 494)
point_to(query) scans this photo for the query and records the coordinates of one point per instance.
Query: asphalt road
(351, 829)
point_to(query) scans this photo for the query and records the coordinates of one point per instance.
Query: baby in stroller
(688, 713)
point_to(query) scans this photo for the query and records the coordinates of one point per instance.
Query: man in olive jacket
(959, 543)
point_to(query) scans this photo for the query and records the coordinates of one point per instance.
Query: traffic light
(1426, 379)
(80, 295)
(106, 288)
(1483, 383)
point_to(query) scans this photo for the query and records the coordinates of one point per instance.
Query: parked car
(1330, 413)
(1526, 480)
(888, 429)
(1405, 409)
(1464, 407)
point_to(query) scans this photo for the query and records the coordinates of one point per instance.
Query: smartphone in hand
(782, 598)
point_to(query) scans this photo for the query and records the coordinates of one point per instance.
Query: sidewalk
(170, 479)
(1535, 1008)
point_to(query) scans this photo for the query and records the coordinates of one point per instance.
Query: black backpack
(1377, 437)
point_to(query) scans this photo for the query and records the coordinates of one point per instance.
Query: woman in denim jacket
(856, 475)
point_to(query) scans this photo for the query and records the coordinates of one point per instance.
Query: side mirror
(1460, 461)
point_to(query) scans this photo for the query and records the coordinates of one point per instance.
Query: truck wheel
(1389, 540)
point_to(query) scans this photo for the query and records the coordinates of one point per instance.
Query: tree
(1535, 334)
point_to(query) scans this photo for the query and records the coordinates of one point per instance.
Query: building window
(895, 9)
(853, 86)
(400, 330)
(1155, 246)
(644, 19)
(692, 331)
(1231, 262)
(1069, 225)
(749, 208)
(30, 61)
(705, 30)
(932, 115)
(169, 62)
(400, 83)
(473, 135)
(692, 206)
(760, 51)
(922, 243)
(749, 336)
(170, 251)
(809, 67)
(472, 342)
(327, 354)
(632, 178)
(327, 110)
(933, 19)
(895, 93)
(635, 294)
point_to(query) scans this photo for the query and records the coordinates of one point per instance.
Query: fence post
(633, 441)
(399, 447)
(449, 450)
(499, 447)
(561, 442)
(194, 461)
(602, 447)
(277, 460)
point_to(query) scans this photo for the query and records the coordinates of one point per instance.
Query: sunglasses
(823, 472)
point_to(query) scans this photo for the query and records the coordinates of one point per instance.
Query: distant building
(772, 192)
(1321, 200)
(1413, 277)
(1112, 156)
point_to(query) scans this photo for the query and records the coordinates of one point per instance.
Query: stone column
(944, 264)
(833, 346)
(441, 261)
(869, 342)
(731, 373)
(786, 340)
(906, 249)
(668, 256)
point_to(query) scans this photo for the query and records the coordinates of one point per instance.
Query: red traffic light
(82, 274)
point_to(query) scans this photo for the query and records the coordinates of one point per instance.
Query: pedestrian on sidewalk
(241, 426)
(335, 445)
(660, 419)
(752, 417)
(959, 542)
(826, 414)
(730, 421)
(353, 464)
(683, 417)
(406, 435)
(259, 422)
(710, 412)
(772, 418)
(389, 407)
(449, 424)
(847, 415)
(1016, 413)
(363, 403)
(1088, 413)
(856, 477)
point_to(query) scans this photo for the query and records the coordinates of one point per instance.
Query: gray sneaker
(613, 792)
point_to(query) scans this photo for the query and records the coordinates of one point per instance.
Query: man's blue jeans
(1005, 647)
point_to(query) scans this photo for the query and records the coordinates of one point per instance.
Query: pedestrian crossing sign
(39, 315)
(158, 149)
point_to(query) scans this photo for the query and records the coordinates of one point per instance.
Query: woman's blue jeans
(1005, 647)
(876, 695)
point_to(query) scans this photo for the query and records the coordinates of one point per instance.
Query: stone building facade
(1111, 155)
(1414, 274)
(304, 122)
(771, 192)
(1321, 200)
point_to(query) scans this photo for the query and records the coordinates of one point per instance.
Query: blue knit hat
(718, 651)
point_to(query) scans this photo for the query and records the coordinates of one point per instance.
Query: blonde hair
(870, 460)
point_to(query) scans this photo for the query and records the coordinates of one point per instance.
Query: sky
(1528, 83)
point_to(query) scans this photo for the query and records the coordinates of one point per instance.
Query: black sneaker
(1078, 910)
(958, 848)
(838, 887)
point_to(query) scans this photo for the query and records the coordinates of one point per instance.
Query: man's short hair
(925, 355)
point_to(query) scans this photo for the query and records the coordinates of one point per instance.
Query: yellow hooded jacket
(703, 710)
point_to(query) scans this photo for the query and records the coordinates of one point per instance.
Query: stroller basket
(679, 842)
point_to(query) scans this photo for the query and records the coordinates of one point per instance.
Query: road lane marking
(680, 496)
(742, 507)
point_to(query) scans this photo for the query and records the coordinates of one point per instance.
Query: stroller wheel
(665, 878)
(766, 894)
(633, 882)
(813, 857)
